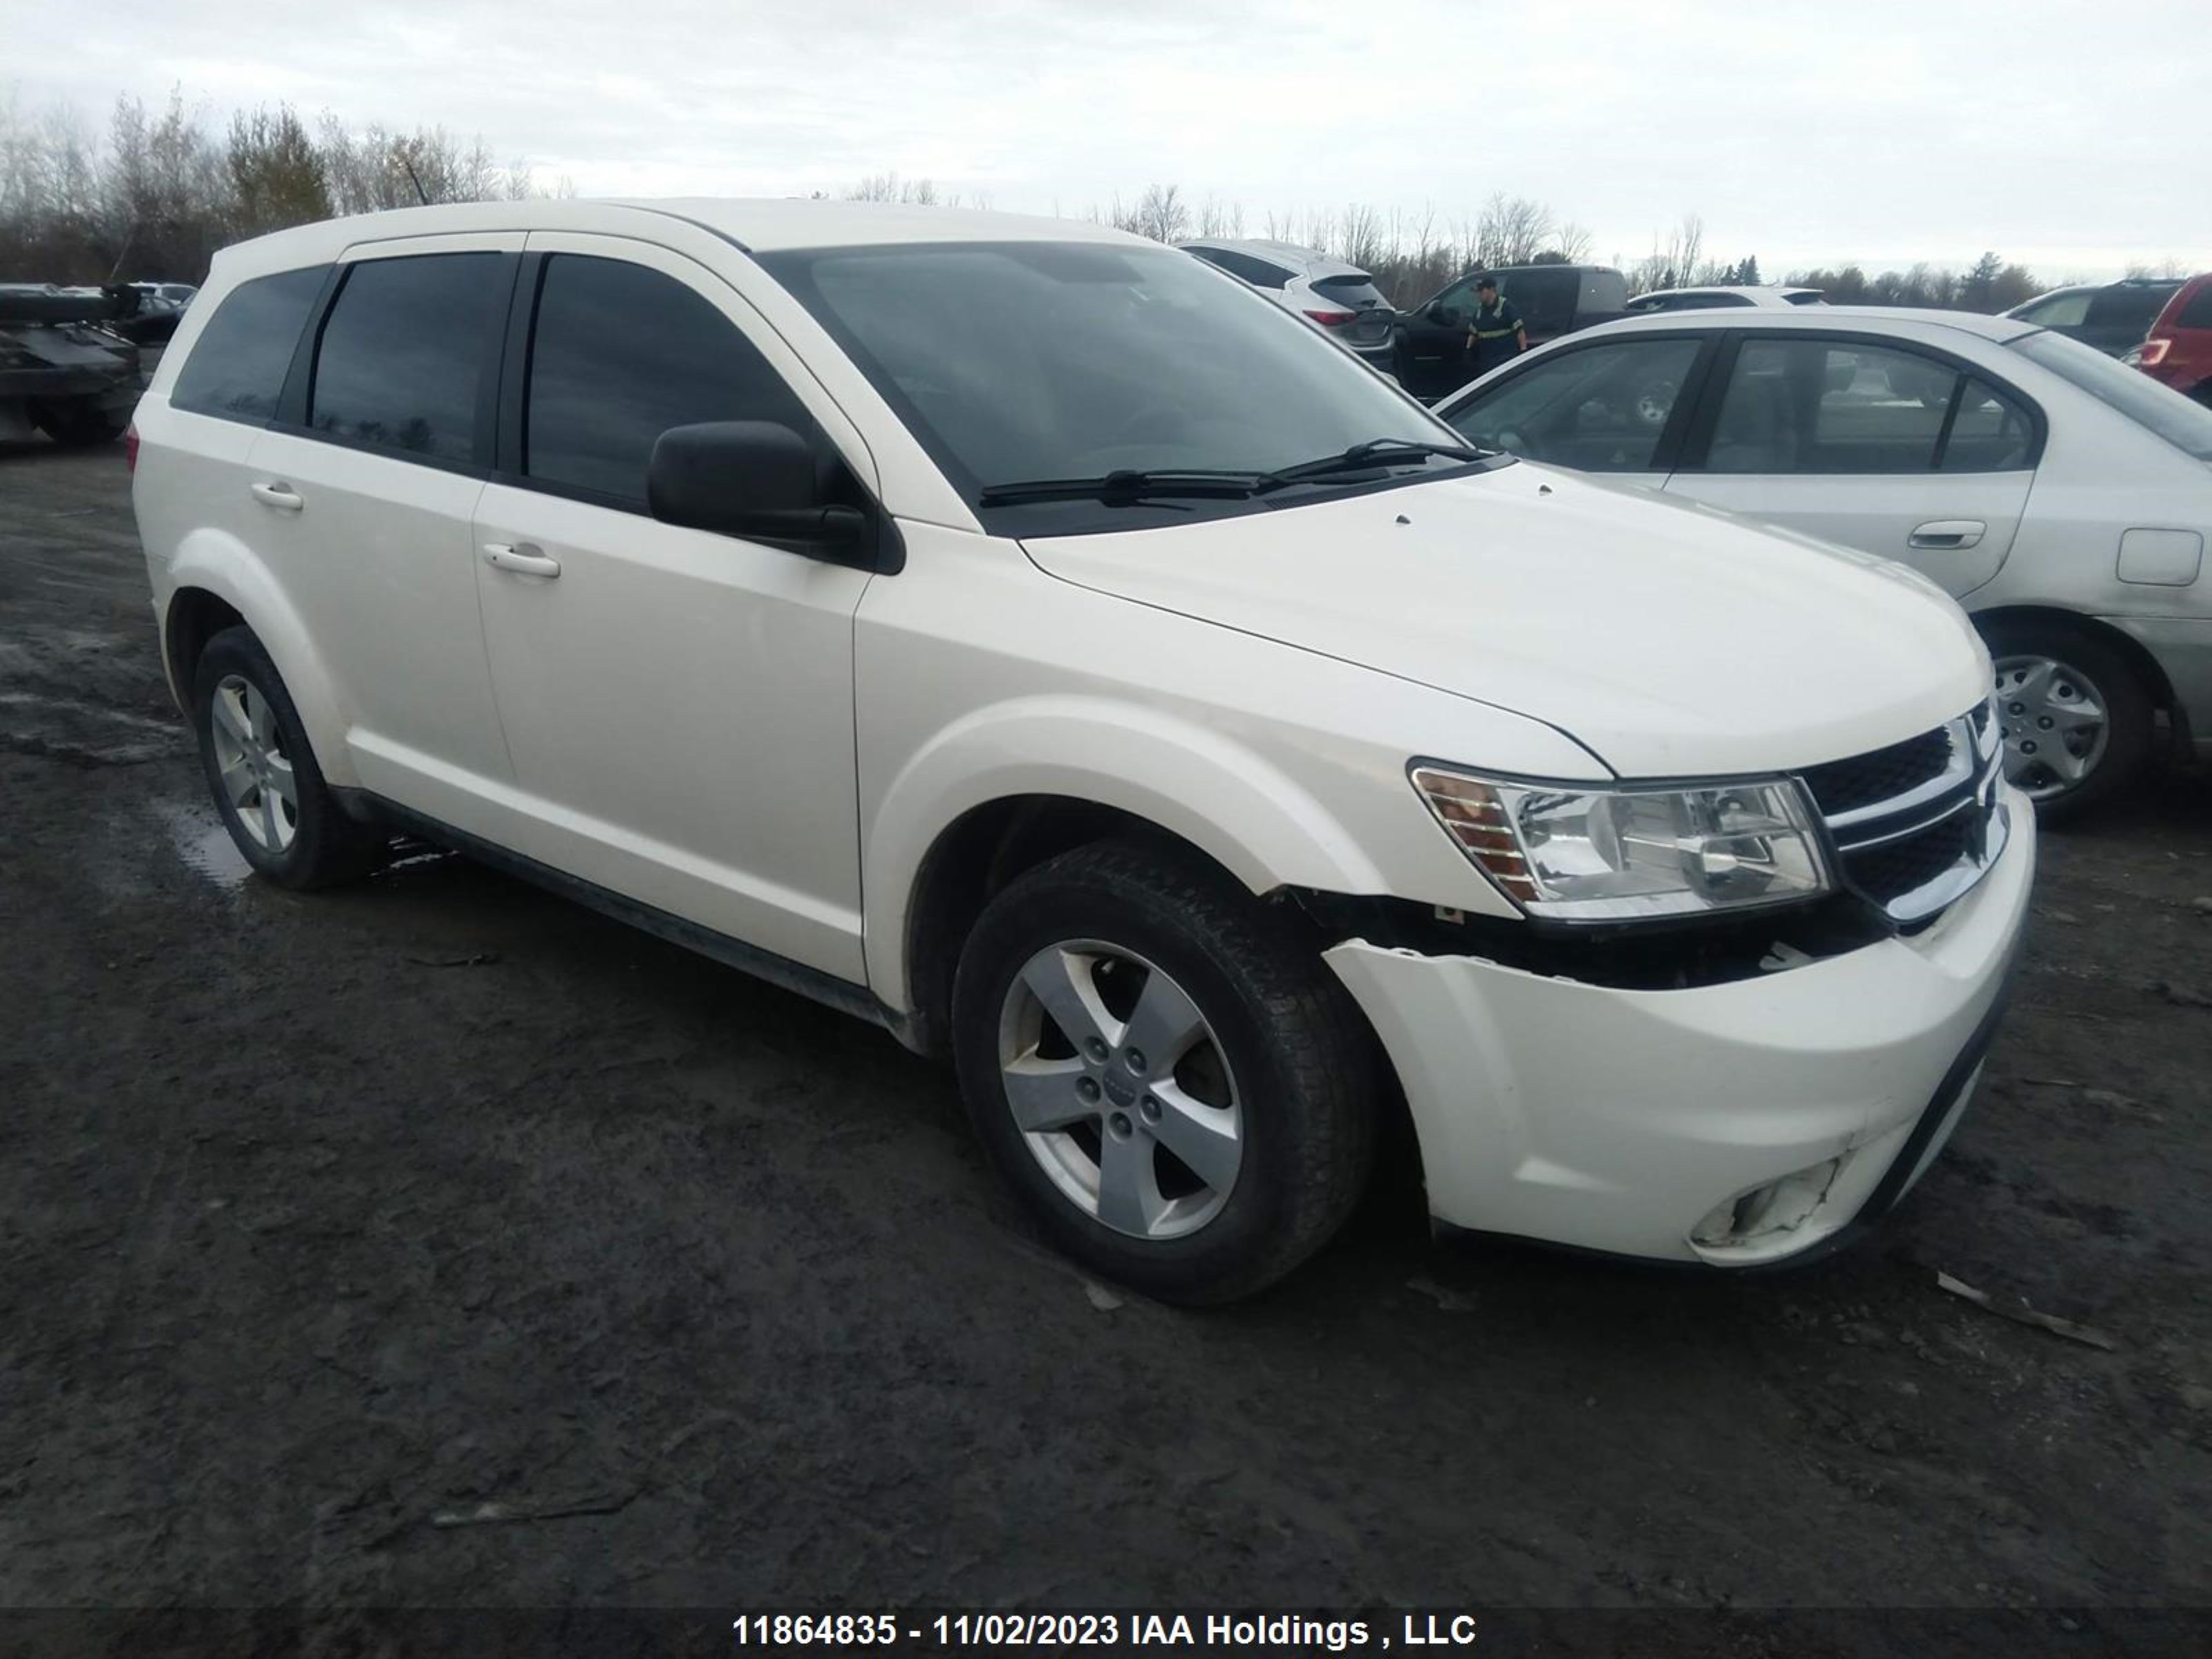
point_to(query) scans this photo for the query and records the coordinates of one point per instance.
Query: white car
(1005, 630)
(1721, 299)
(1339, 298)
(2064, 499)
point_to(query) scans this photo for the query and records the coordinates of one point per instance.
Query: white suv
(1007, 631)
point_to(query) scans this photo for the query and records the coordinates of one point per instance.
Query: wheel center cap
(1119, 1092)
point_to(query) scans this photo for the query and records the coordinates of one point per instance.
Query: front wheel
(2076, 719)
(1163, 1071)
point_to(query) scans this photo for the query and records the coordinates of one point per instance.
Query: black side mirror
(754, 479)
(1445, 316)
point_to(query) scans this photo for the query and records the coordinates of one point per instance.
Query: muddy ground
(324, 1218)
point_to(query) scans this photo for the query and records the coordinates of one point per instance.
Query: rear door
(366, 489)
(1618, 407)
(678, 702)
(1895, 449)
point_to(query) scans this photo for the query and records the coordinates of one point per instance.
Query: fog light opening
(1779, 1206)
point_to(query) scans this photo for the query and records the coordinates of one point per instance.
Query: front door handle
(1946, 532)
(524, 559)
(281, 496)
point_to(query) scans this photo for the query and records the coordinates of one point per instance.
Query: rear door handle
(523, 559)
(281, 496)
(1946, 532)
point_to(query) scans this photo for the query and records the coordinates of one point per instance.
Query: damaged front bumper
(1734, 1124)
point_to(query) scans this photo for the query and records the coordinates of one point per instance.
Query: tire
(252, 747)
(1278, 1064)
(2084, 671)
(78, 425)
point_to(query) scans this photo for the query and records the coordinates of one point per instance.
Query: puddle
(208, 850)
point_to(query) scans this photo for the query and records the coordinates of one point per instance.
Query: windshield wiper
(1378, 451)
(1129, 485)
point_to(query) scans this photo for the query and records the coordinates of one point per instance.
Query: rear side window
(2128, 306)
(620, 354)
(1545, 297)
(402, 356)
(238, 364)
(1800, 406)
(2196, 309)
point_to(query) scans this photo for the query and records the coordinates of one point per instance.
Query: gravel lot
(324, 1218)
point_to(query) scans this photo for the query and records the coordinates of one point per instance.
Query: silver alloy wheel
(1121, 1089)
(2055, 724)
(249, 753)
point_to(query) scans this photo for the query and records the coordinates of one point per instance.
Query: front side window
(622, 353)
(1019, 361)
(238, 364)
(1598, 408)
(404, 350)
(1816, 406)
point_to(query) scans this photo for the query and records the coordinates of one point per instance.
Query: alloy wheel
(2055, 724)
(257, 777)
(1121, 1089)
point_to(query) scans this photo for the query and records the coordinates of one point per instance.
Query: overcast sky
(2069, 136)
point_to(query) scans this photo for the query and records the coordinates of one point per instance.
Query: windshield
(2186, 425)
(1018, 362)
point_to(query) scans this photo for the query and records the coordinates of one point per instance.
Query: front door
(678, 703)
(1875, 445)
(1432, 359)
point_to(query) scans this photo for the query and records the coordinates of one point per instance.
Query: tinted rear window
(402, 356)
(238, 364)
(2186, 425)
(2197, 310)
(1354, 288)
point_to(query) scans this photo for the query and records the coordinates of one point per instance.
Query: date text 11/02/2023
(987, 1631)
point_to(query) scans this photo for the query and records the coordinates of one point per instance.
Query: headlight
(1574, 853)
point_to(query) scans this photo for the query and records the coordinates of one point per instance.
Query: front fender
(1214, 792)
(221, 564)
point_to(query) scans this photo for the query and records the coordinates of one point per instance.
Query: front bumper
(1621, 1121)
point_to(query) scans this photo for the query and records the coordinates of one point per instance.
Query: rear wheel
(2076, 719)
(1163, 1071)
(263, 775)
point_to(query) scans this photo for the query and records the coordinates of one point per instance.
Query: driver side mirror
(754, 479)
(1444, 316)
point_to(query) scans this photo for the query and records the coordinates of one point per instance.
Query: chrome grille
(1913, 826)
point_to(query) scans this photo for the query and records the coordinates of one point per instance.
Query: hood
(1668, 638)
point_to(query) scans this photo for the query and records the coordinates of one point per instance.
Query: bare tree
(1161, 214)
(277, 177)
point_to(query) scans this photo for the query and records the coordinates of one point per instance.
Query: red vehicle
(2178, 348)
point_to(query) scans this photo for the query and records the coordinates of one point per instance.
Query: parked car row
(1009, 632)
(2062, 498)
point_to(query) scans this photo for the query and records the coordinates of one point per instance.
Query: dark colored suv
(2113, 317)
(1553, 300)
(2178, 348)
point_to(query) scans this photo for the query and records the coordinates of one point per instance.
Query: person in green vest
(1494, 333)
